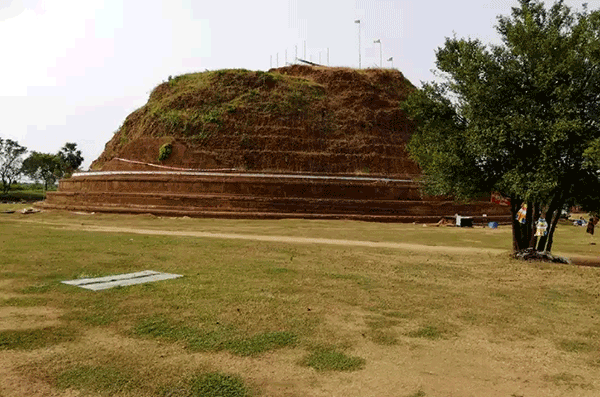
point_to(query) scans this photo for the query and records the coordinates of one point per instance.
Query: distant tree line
(46, 168)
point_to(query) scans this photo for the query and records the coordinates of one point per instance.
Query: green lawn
(291, 319)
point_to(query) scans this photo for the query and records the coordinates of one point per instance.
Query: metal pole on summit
(378, 41)
(358, 22)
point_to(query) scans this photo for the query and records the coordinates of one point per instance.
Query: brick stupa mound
(291, 119)
(295, 142)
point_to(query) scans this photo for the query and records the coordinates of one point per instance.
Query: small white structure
(121, 280)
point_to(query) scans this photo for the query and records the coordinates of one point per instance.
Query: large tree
(44, 167)
(10, 162)
(521, 118)
(49, 168)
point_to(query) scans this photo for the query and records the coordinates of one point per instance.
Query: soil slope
(291, 119)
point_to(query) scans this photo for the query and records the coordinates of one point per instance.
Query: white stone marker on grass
(121, 280)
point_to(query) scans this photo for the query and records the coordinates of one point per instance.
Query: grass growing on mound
(165, 151)
(196, 104)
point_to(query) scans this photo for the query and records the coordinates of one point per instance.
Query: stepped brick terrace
(293, 142)
(260, 196)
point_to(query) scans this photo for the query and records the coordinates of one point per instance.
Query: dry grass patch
(455, 323)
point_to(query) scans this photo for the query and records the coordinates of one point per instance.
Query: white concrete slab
(122, 280)
(81, 281)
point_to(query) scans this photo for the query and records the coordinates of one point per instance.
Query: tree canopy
(70, 157)
(10, 162)
(44, 167)
(521, 118)
(49, 168)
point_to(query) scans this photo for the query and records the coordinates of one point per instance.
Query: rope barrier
(219, 172)
(172, 168)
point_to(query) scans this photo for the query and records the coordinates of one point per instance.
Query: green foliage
(261, 343)
(518, 118)
(26, 195)
(10, 162)
(30, 339)
(565, 379)
(213, 116)
(428, 332)
(123, 140)
(173, 120)
(49, 168)
(70, 157)
(329, 359)
(165, 151)
(23, 302)
(231, 108)
(381, 331)
(45, 167)
(221, 338)
(217, 384)
(103, 379)
(161, 327)
(575, 346)
(203, 136)
(37, 288)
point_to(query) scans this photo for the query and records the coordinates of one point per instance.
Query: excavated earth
(297, 141)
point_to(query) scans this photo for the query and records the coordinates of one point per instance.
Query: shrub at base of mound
(165, 151)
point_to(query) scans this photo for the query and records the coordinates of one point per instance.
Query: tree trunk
(536, 215)
(528, 228)
(515, 205)
(550, 239)
(552, 216)
(5, 186)
(521, 232)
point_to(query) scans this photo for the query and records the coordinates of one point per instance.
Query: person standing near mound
(590, 227)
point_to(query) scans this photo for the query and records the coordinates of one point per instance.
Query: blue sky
(72, 70)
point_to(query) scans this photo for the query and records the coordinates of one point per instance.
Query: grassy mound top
(296, 118)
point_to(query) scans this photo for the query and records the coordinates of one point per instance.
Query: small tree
(70, 157)
(43, 167)
(521, 118)
(10, 162)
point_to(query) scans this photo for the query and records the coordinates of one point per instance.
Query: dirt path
(581, 260)
(285, 239)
